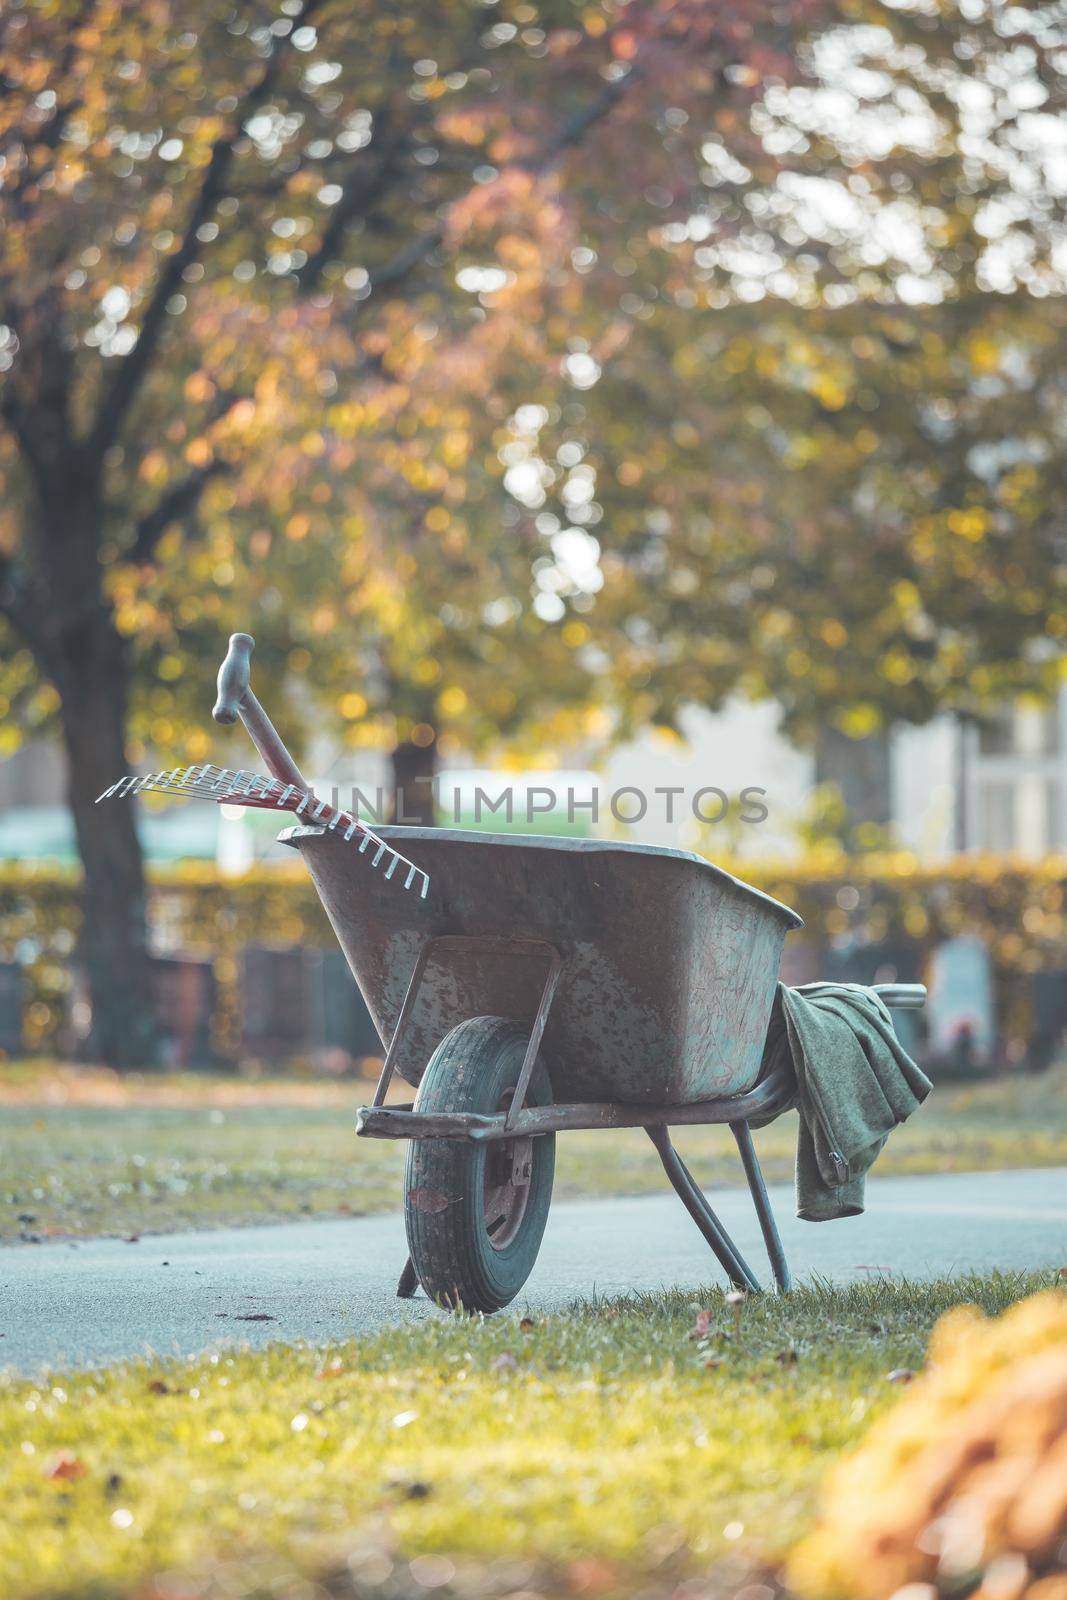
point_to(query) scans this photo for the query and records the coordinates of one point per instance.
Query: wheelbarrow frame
(772, 1095)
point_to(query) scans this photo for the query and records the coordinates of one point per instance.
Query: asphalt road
(64, 1304)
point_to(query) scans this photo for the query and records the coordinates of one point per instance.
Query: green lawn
(94, 1155)
(612, 1448)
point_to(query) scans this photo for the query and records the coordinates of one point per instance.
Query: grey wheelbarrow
(546, 985)
(528, 987)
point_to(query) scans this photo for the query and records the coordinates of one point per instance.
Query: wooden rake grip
(235, 699)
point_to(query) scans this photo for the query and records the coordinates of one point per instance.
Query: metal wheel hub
(506, 1184)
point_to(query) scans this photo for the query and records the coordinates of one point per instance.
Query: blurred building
(951, 785)
(942, 788)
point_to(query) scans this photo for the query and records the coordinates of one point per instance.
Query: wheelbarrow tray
(668, 963)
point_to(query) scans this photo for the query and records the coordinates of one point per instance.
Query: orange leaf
(65, 1466)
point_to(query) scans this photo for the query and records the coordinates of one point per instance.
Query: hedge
(1018, 908)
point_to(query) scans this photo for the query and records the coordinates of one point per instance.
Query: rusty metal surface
(771, 1095)
(669, 963)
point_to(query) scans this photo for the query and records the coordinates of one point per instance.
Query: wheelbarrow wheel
(475, 1213)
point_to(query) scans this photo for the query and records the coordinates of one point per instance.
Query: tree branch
(177, 501)
(573, 131)
(35, 396)
(180, 498)
(359, 193)
(129, 376)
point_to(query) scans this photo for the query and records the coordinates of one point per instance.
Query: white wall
(923, 776)
(733, 749)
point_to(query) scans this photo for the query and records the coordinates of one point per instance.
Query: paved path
(96, 1301)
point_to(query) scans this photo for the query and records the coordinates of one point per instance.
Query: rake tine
(207, 781)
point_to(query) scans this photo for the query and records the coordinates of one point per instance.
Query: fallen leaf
(527, 1325)
(591, 1575)
(332, 1369)
(712, 1362)
(900, 1375)
(157, 1386)
(65, 1467)
(428, 1200)
(702, 1326)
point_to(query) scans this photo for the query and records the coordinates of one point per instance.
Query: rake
(286, 790)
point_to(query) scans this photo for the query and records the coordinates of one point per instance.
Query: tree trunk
(414, 771)
(860, 768)
(92, 683)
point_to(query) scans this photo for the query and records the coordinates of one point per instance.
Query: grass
(617, 1447)
(89, 1153)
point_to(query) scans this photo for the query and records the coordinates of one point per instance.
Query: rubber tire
(471, 1070)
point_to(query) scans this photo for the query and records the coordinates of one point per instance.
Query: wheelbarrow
(533, 986)
(547, 985)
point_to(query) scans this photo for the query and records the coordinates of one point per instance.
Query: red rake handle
(235, 699)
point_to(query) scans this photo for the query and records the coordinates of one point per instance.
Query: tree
(206, 210)
(354, 324)
(831, 474)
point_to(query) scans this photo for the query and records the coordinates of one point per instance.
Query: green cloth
(855, 1083)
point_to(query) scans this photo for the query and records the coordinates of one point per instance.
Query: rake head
(270, 794)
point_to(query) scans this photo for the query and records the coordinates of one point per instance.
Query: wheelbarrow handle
(901, 996)
(235, 699)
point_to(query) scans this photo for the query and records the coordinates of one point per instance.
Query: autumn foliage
(517, 373)
(962, 1488)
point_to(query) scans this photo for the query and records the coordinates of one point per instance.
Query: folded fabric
(855, 1083)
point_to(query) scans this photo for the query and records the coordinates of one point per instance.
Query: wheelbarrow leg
(761, 1200)
(692, 1197)
(409, 1282)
